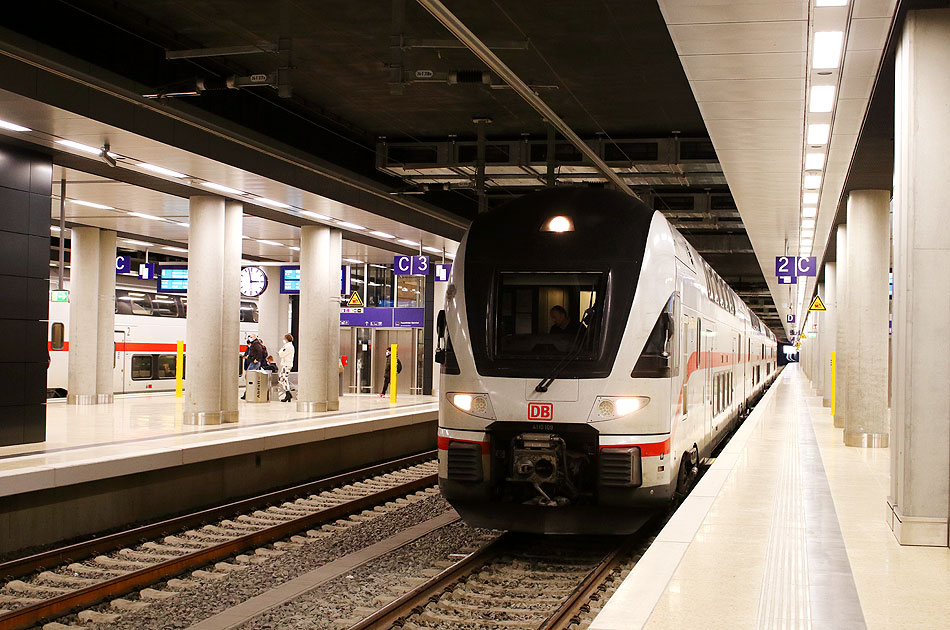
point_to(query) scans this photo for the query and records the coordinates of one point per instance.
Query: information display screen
(290, 279)
(173, 279)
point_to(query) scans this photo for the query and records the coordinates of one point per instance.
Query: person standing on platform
(389, 367)
(286, 354)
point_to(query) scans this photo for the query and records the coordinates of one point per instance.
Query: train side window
(133, 303)
(658, 357)
(167, 366)
(164, 306)
(57, 336)
(141, 367)
(183, 311)
(249, 312)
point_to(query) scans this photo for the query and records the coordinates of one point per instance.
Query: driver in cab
(563, 325)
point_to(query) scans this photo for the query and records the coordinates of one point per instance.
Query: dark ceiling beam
(721, 243)
(455, 26)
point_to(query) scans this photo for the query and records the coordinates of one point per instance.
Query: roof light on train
(559, 224)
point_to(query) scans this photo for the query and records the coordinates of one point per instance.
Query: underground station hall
(475, 314)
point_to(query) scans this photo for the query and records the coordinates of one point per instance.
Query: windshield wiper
(580, 338)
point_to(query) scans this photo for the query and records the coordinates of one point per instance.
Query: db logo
(540, 411)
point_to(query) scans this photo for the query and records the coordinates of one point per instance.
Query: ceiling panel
(752, 66)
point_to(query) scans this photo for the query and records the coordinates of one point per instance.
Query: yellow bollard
(832, 384)
(179, 369)
(392, 372)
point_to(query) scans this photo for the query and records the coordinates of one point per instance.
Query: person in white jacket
(286, 354)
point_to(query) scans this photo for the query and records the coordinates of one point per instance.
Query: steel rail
(455, 26)
(431, 588)
(58, 606)
(79, 551)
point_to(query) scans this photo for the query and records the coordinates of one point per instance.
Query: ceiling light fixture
(450, 255)
(90, 204)
(809, 212)
(161, 170)
(175, 249)
(827, 54)
(271, 202)
(818, 133)
(814, 161)
(274, 243)
(315, 215)
(807, 233)
(831, 3)
(382, 234)
(354, 261)
(808, 223)
(822, 98)
(223, 189)
(85, 148)
(812, 182)
(54, 228)
(810, 198)
(433, 250)
(137, 243)
(142, 215)
(406, 241)
(296, 249)
(13, 126)
(351, 226)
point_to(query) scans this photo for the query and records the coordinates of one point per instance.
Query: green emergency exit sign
(59, 296)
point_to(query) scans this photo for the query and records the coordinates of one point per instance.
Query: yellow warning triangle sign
(817, 304)
(355, 299)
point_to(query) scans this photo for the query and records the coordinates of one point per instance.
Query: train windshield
(548, 315)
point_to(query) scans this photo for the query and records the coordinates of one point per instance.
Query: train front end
(542, 425)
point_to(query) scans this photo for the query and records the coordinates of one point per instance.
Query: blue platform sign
(411, 265)
(409, 317)
(806, 266)
(790, 319)
(147, 271)
(785, 266)
(442, 272)
(123, 264)
(369, 317)
(788, 279)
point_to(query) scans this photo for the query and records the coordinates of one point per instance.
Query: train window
(249, 312)
(544, 316)
(57, 336)
(141, 367)
(658, 357)
(183, 309)
(167, 367)
(132, 303)
(164, 306)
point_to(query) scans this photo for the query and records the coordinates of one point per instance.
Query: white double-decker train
(591, 359)
(148, 326)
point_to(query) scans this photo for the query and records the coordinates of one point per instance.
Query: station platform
(135, 460)
(785, 530)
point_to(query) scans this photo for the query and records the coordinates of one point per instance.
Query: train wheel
(687, 474)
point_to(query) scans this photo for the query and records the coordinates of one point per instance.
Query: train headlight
(474, 404)
(611, 407)
(558, 224)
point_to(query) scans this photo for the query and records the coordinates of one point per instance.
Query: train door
(364, 360)
(118, 362)
(691, 382)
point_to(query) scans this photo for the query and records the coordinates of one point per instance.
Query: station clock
(253, 281)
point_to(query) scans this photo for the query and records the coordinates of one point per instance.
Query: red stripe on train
(444, 444)
(653, 449)
(128, 346)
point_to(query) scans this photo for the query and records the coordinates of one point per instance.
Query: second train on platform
(590, 360)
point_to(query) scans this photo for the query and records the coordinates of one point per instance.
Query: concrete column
(842, 330)
(269, 312)
(866, 318)
(105, 355)
(829, 331)
(231, 308)
(204, 365)
(919, 499)
(314, 287)
(334, 260)
(83, 315)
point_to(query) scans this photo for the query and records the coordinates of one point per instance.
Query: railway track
(515, 581)
(77, 576)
